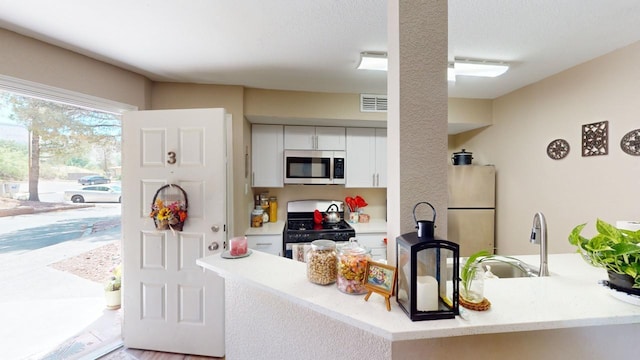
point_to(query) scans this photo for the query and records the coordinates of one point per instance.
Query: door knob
(213, 246)
(215, 228)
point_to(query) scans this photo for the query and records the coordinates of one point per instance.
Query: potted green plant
(472, 270)
(616, 250)
(112, 292)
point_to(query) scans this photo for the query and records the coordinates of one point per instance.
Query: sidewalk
(11, 207)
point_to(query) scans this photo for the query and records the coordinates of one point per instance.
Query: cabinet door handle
(264, 244)
(373, 178)
(378, 179)
(253, 178)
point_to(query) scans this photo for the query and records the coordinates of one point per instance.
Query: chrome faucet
(539, 236)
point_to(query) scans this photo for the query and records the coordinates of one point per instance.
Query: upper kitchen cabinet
(267, 155)
(314, 138)
(366, 164)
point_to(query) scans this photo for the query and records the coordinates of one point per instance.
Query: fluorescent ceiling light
(451, 73)
(373, 61)
(484, 68)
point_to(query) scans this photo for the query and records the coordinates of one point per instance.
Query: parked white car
(94, 193)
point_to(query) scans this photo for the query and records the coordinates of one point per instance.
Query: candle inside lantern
(427, 293)
(238, 246)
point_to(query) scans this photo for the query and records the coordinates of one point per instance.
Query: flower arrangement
(168, 216)
(115, 280)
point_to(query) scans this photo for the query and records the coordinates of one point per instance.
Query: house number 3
(172, 157)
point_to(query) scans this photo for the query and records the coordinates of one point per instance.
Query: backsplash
(376, 197)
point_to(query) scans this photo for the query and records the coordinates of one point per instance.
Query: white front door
(170, 303)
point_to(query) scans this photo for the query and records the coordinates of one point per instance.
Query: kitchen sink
(510, 268)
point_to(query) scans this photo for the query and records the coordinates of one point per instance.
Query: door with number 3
(170, 303)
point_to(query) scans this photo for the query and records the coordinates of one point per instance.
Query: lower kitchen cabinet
(375, 243)
(271, 244)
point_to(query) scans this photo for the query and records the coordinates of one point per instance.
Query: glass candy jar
(321, 262)
(352, 265)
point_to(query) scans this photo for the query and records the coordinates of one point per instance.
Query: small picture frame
(380, 278)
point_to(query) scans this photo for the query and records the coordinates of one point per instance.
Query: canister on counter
(273, 209)
(321, 262)
(352, 266)
(256, 217)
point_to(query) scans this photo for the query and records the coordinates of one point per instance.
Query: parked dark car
(93, 179)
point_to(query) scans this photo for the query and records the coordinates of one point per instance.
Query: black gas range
(301, 229)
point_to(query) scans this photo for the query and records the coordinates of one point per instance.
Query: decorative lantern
(428, 281)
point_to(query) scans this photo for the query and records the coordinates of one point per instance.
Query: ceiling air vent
(373, 103)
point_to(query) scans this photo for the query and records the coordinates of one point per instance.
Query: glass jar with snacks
(256, 217)
(321, 262)
(352, 265)
(264, 201)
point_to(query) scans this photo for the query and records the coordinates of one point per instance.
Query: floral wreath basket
(169, 208)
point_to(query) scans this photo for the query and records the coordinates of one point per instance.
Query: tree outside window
(58, 134)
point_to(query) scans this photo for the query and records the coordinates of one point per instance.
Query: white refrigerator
(471, 207)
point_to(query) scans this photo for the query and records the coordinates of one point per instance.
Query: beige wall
(466, 114)
(576, 189)
(33, 60)
(470, 111)
(298, 107)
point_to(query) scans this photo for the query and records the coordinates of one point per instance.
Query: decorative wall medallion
(595, 139)
(558, 149)
(630, 142)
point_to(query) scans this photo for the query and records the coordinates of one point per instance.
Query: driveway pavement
(41, 307)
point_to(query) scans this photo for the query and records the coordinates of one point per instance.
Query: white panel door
(170, 303)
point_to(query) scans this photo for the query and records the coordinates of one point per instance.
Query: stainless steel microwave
(313, 167)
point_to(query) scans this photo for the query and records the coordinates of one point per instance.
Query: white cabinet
(375, 243)
(314, 138)
(366, 164)
(267, 155)
(271, 244)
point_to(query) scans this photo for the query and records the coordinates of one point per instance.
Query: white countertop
(269, 228)
(570, 297)
(373, 226)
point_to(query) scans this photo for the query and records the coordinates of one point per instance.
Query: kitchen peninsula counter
(373, 226)
(568, 299)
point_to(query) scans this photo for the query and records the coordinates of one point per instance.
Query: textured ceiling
(314, 45)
